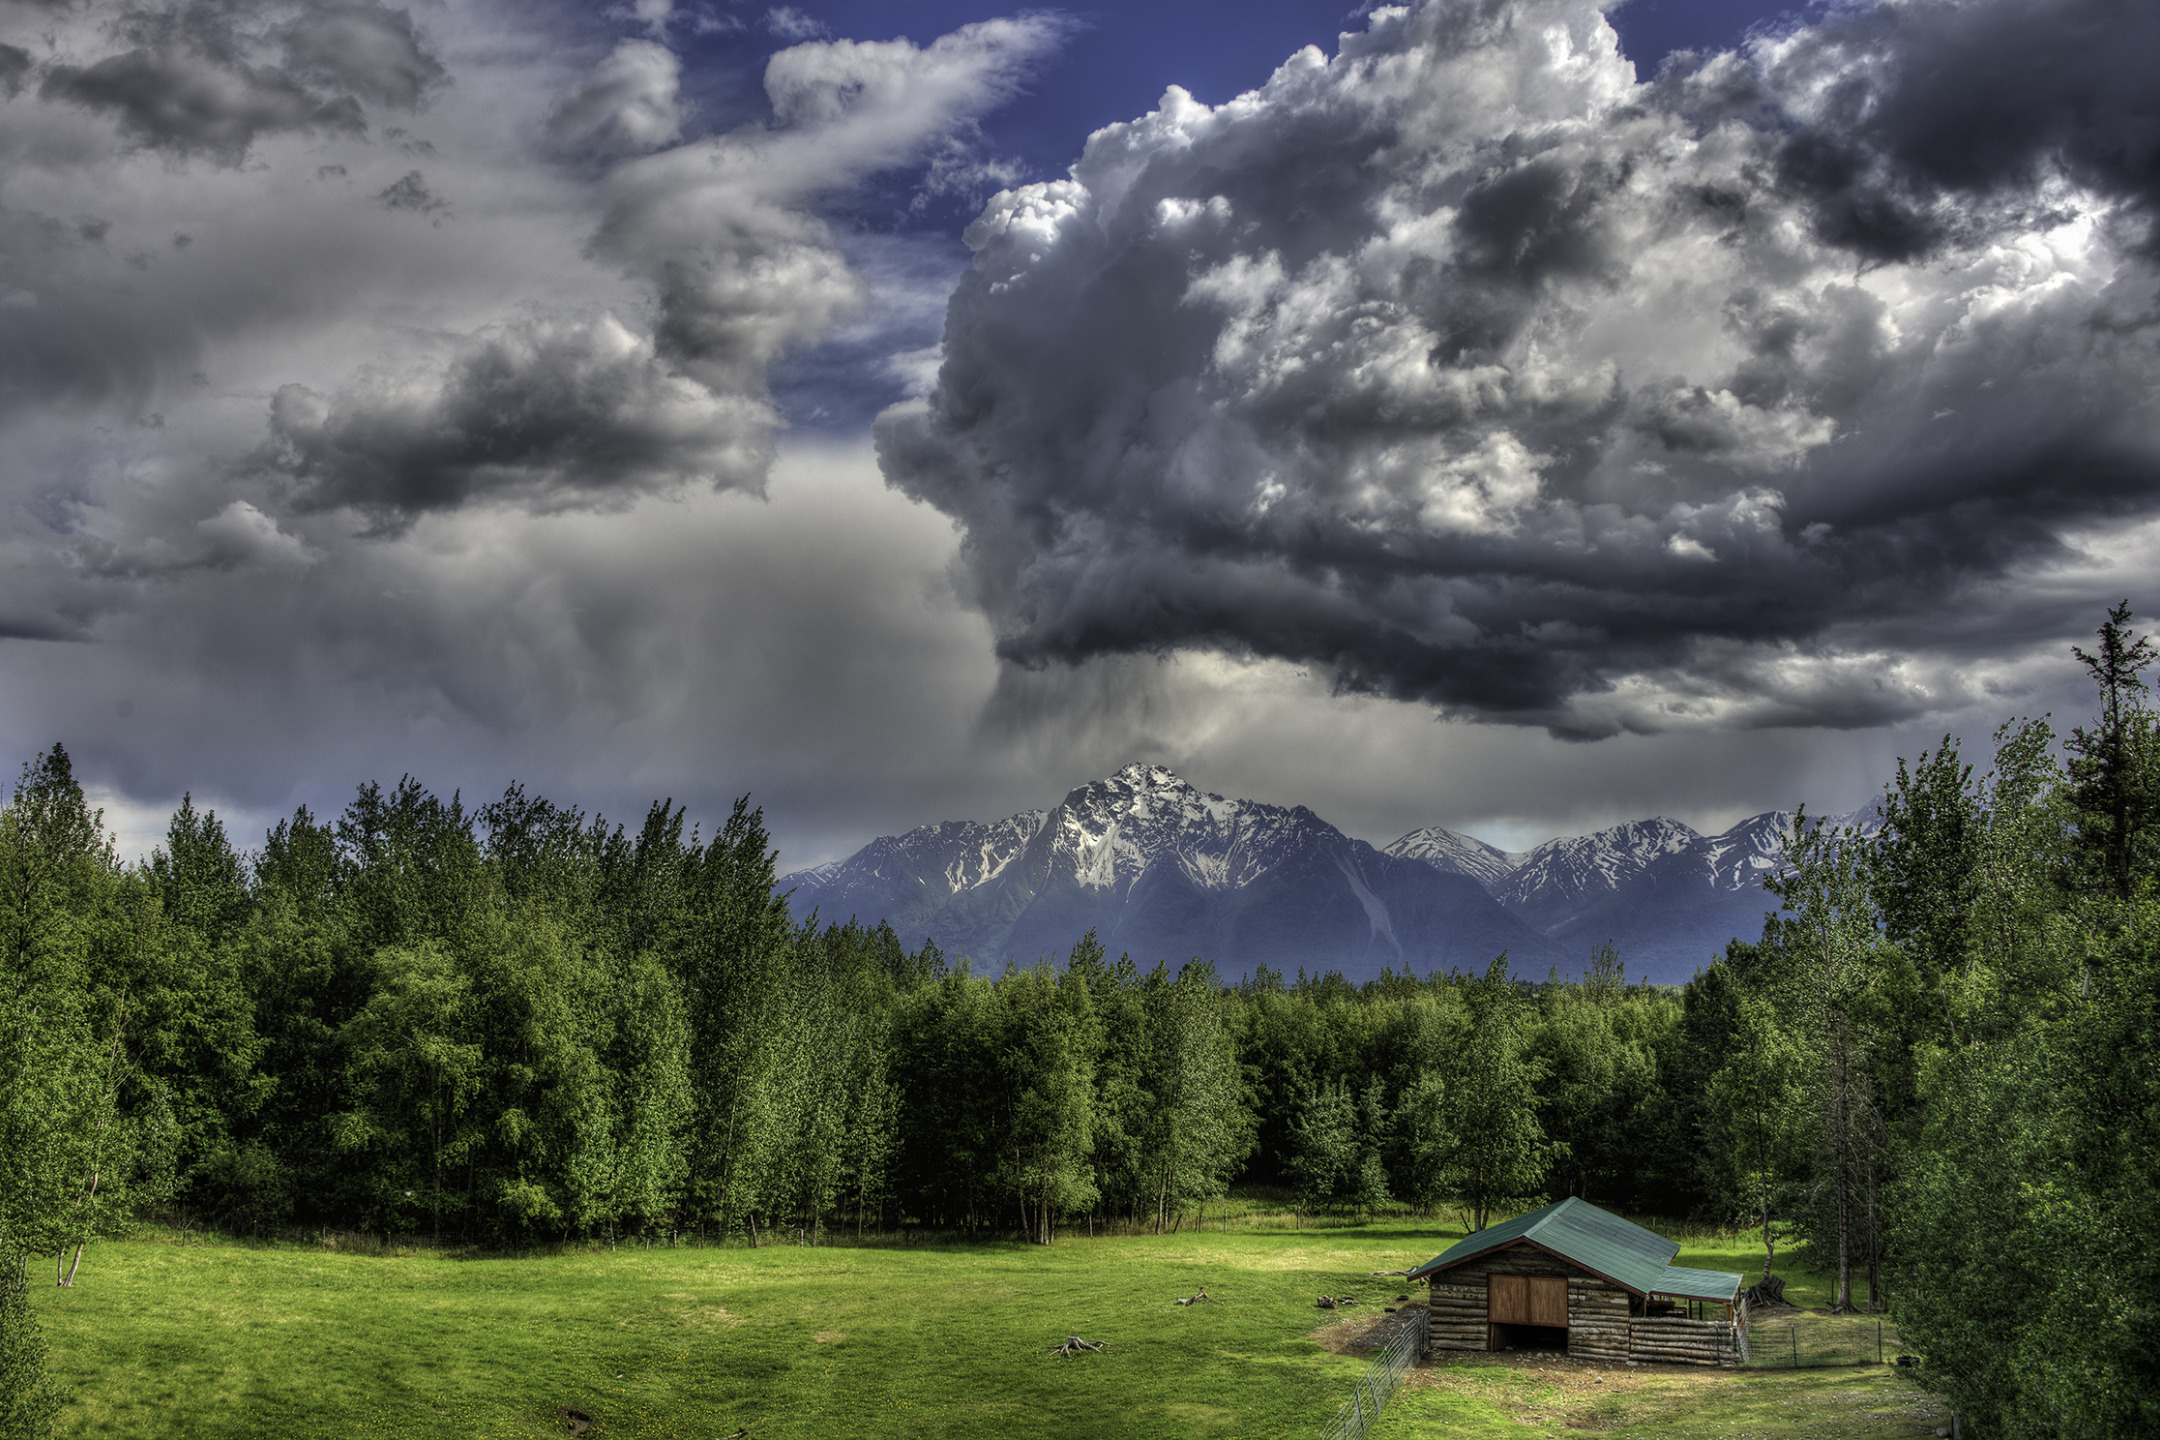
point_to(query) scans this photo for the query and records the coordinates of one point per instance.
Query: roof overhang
(1683, 1284)
(1434, 1267)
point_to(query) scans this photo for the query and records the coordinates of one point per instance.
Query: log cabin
(1572, 1277)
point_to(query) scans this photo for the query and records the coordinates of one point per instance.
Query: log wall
(1597, 1320)
(1670, 1340)
(1458, 1298)
(1599, 1327)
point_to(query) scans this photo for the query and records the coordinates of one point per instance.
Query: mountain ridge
(1167, 872)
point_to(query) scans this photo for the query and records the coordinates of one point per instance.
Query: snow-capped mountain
(1563, 876)
(1750, 850)
(1164, 871)
(1459, 854)
(1668, 898)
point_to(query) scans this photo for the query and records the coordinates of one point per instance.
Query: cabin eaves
(1577, 1231)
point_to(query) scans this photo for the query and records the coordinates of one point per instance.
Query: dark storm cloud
(364, 50)
(15, 62)
(740, 266)
(209, 79)
(1916, 119)
(68, 336)
(410, 192)
(547, 415)
(191, 103)
(1467, 370)
(237, 537)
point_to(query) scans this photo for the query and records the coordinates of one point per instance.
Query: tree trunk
(1769, 1243)
(1874, 1245)
(1841, 1177)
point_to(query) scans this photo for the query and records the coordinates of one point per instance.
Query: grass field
(170, 1337)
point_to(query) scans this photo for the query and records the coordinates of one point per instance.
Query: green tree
(2115, 765)
(1758, 1104)
(1051, 1042)
(1500, 1151)
(1424, 1142)
(1196, 1128)
(1324, 1156)
(1830, 937)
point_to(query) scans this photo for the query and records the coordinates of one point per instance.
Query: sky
(1514, 415)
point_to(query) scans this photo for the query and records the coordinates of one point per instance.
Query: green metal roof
(1600, 1242)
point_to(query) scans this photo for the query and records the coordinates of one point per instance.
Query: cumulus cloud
(1470, 369)
(210, 79)
(726, 229)
(235, 537)
(1924, 124)
(365, 50)
(628, 105)
(549, 414)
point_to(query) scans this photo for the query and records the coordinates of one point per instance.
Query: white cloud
(1472, 371)
(628, 105)
(789, 23)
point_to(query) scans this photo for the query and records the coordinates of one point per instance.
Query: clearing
(186, 1338)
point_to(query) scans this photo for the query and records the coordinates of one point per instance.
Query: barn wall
(1457, 1298)
(1597, 1320)
(1599, 1328)
(1670, 1340)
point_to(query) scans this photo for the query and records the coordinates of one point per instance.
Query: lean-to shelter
(1572, 1276)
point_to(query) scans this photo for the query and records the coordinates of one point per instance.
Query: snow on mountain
(1109, 832)
(1566, 873)
(1739, 858)
(813, 877)
(1667, 898)
(1165, 871)
(1458, 854)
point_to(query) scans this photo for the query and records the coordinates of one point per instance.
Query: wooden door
(1548, 1300)
(1507, 1299)
(1526, 1300)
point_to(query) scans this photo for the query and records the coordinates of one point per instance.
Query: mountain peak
(1140, 776)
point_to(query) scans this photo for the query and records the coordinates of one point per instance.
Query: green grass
(189, 1339)
(1474, 1398)
(942, 1340)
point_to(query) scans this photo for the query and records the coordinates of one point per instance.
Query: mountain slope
(1164, 871)
(1669, 899)
(1457, 854)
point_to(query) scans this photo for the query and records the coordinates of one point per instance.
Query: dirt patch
(1357, 1334)
(710, 1317)
(1578, 1380)
(829, 1337)
(577, 1422)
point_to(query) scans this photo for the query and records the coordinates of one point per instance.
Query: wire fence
(1381, 1379)
(1858, 1340)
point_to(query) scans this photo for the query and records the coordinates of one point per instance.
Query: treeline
(516, 1023)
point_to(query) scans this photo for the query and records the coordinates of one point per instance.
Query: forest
(1933, 1073)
